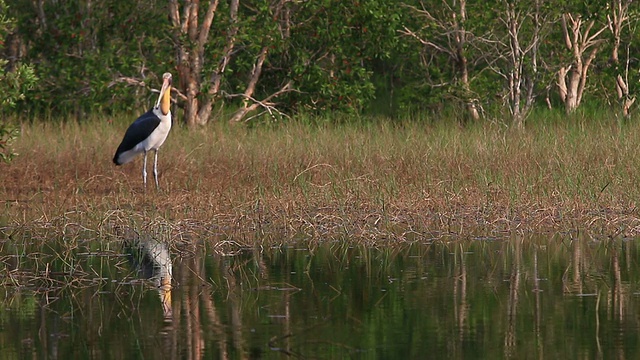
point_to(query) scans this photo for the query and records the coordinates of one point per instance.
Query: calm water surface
(521, 298)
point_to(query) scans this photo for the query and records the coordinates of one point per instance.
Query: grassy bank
(372, 181)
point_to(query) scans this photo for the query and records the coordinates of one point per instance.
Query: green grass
(364, 178)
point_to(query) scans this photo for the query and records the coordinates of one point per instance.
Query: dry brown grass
(370, 182)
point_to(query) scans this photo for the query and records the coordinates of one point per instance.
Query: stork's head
(164, 101)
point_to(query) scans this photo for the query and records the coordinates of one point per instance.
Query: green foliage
(343, 56)
(14, 83)
(82, 49)
(330, 51)
(7, 135)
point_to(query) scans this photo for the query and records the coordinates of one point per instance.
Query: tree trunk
(190, 38)
(250, 104)
(451, 28)
(618, 17)
(460, 37)
(584, 47)
(569, 86)
(522, 26)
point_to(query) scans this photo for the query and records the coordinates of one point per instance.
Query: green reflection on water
(535, 297)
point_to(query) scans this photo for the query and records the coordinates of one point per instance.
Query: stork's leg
(144, 170)
(155, 169)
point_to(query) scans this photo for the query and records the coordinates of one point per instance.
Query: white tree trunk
(584, 47)
(616, 21)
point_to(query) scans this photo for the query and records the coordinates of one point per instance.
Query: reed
(372, 179)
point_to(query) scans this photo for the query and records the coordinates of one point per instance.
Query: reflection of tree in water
(586, 278)
(510, 340)
(460, 292)
(510, 297)
(199, 319)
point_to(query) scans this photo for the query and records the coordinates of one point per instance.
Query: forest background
(234, 60)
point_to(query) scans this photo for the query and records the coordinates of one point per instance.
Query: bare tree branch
(265, 103)
(141, 83)
(451, 38)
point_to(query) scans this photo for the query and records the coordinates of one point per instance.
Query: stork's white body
(152, 140)
(148, 132)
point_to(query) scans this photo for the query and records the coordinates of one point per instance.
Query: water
(520, 298)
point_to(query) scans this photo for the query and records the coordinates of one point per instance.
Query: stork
(148, 132)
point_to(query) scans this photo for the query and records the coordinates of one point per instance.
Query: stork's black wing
(138, 131)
